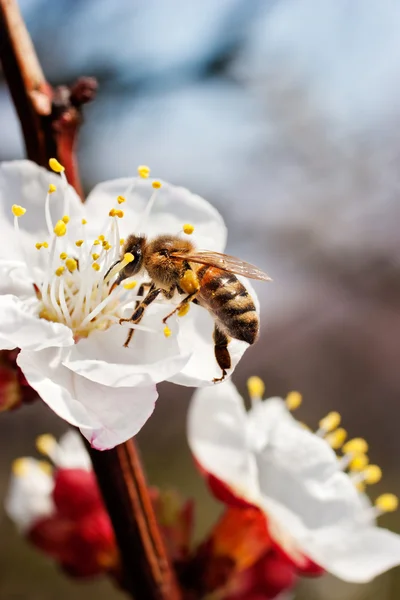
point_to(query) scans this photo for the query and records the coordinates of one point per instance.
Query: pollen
(52, 188)
(65, 219)
(79, 243)
(293, 400)
(121, 199)
(130, 285)
(330, 422)
(387, 502)
(356, 446)
(189, 282)
(45, 245)
(167, 331)
(156, 185)
(95, 243)
(71, 264)
(45, 467)
(372, 474)
(128, 257)
(20, 467)
(18, 210)
(63, 255)
(59, 271)
(255, 387)
(95, 256)
(143, 171)
(56, 166)
(188, 228)
(39, 245)
(102, 238)
(84, 222)
(60, 228)
(45, 443)
(184, 310)
(96, 266)
(106, 245)
(336, 438)
(121, 242)
(359, 462)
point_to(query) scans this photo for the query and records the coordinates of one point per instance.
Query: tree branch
(50, 121)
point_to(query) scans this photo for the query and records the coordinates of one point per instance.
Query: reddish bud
(76, 493)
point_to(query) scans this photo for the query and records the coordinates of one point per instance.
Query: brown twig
(50, 121)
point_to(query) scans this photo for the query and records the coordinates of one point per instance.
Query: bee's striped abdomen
(228, 300)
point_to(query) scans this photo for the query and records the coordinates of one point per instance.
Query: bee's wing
(224, 262)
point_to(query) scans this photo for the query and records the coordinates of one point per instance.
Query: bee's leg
(138, 313)
(185, 302)
(222, 355)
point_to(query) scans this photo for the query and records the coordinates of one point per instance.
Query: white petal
(29, 495)
(15, 279)
(25, 183)
(358, 555)
(106, 416)
(217, 437)
(149, 359)
(196, 333)
(20, 328)
(71, 452)
(173, 207)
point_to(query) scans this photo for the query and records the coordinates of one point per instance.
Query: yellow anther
(184, 310)
(130, 285)
(108, 246)
(102, 237)
(143, 171)
(96, 266)
(96, 243)
(119, 213)
(45, 467)
(359, 462)
(304, 426)
(387, 502)
(65, 219)
(104, 243)
(372, 474)
(56, 166)
(84, 222)
(71, 264)
(45, 443)
(336, 438)
(59, 271)
(20, 467)
(121, 199)
(60, 228)
(189, 282)
(52, 188)
(361, 486)
(355, 446)
(121, 242)
(18, 210)
(95, 256)
(45, 245)
(63, 255)
(112, 212)
(188, 228)
(330, 422)
(38, 245)
(79, 243)
(128, 257)
(293, 400)
(167, 331)
(255, 387)
(156, 185)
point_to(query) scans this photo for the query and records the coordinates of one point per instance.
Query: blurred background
(285, 114)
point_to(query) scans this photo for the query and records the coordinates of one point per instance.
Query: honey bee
(205, 278)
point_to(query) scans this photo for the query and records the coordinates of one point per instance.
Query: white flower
(29, 497)
(59, 305)
(313, 507)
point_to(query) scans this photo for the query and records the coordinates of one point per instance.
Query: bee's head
(134, 244)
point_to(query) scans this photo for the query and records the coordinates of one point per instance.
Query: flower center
(78, 284)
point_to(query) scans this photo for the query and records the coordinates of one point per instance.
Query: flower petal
(71, 453)
(29, 495)
(196, 333)
(15, 279)
(218, 439)
(173, 207)
(149, 359)
(20, 328)
(357, 555)
(105, 416)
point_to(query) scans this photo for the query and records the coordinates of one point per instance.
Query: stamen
(188, 228)
(79, 243)
(63, 304)
(56, 166)
(96, 266)
(167, 331)
(293, 400)
(20, 467)
(130, 285)
(17, 210)
(63, 255)
(121, 199)
(84, 222)
(59, 271)
(355, 446)
(116, 212)
(121, 241)
(71, 264)
(359, 462)
(45, 444)
(65, 219)
(387, 503)
(255, 387)
(336, 438)
(60, 228)
(328, 423)
(372, 474)
(95, 256)
(143, 171)
(52, 188)
(156, 185)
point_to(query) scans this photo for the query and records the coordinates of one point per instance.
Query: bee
(203, 277)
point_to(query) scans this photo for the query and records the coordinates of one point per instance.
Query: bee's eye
(163, 252)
